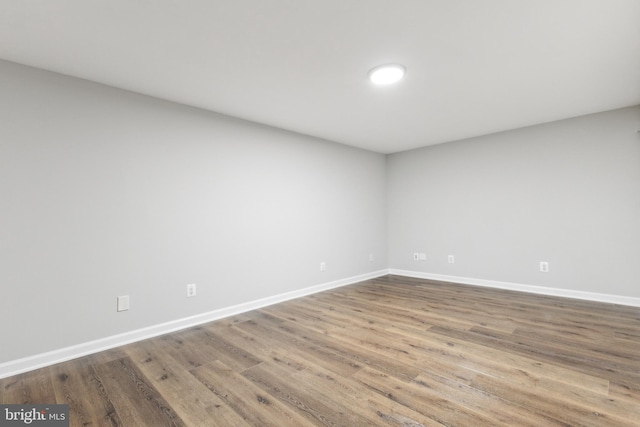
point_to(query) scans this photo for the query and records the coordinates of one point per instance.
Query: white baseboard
(567, 293)
(30, 363)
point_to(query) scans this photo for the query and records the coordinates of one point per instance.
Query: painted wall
(107, 193)
(566, 192)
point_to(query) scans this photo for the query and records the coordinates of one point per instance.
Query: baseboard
(567, 293)
(30, 363)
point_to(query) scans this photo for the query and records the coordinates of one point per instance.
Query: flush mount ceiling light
(387, 74)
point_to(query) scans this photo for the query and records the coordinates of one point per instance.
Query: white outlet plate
(191, 290)
(323, 266)
(451, 259)
(423, 257)
(544, 266)
(370, 257)
(123, 303)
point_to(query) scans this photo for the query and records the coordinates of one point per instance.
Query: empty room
(320, 213)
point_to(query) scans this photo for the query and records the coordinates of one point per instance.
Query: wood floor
(392, 351)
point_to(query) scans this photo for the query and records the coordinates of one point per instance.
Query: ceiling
(473, 66)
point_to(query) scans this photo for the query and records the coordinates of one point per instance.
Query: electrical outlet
(323, 266)
(423, 256)
(370, 257)
(416, 256)
(123, 303)
(451, 259)
(544, 266)
(191, 290)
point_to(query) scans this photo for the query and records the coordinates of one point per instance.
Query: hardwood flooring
(392, 351)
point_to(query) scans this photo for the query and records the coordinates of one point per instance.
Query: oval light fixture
(387, 74)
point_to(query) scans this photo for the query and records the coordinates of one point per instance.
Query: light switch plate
(123, 303)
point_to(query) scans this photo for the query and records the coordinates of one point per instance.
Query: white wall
(566, 192)
(106, 193)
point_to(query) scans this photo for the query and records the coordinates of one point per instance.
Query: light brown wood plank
(293, 378)
(198, 346)
(245, 398)
(625, 391)
(33, 387)
(423, 400)
(623, 351)
(136, 400)
(378, 409)
(519, 369)
(490, 406)
(596, 366)
(295, 335)
(78, 385)
(279, 385)
(549, 404)
(189, 398)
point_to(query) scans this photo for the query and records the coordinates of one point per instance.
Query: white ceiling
(474, 66)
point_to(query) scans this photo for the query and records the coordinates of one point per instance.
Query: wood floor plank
(189, 398)
(525, 307)
(458, 379)
(427, 318)
(461, 362)
(520, 369)
(473, 314)
(78, 385)
(313, 317)
(346, 396)
(34, 387)
(186, 348)
(312, 405)
(423, 400)
(233, 356)
(596, 366)
(249, 401)
(490, 406)
(295, 335)
(380, 410)
(198, 346)
(615, 349)
(264, 349)
(390, 315)
(134, 397)
(546, 404)
(260, 346)
(625, 391)
(350, 403)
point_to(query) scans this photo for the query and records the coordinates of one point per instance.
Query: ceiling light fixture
(387, 74)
